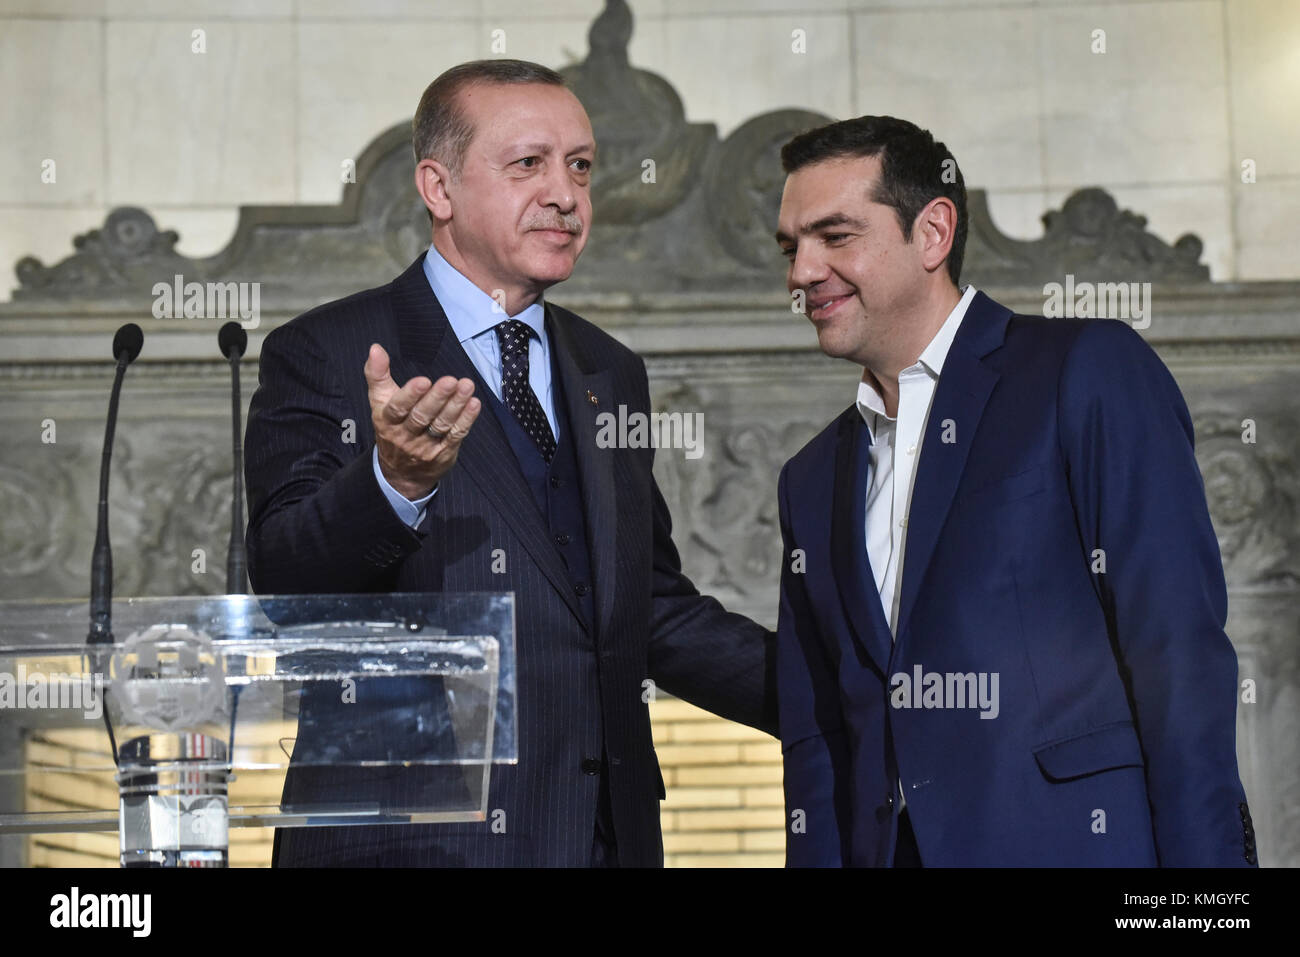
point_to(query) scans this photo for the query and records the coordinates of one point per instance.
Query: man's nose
(558, 189)
(806, 270)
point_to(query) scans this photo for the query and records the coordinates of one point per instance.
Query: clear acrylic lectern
(204, 711)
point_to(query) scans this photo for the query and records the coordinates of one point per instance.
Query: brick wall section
(725, 806)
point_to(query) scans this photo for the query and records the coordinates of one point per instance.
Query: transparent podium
(208, 714)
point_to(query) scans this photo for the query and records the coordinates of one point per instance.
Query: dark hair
(441, 130)
(915, 168)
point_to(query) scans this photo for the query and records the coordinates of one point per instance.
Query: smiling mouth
(823, 308)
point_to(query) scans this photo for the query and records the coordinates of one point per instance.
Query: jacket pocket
(1006, 488)
(1101, 749)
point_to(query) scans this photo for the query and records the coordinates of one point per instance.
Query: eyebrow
(545, 149)
(521, 148)
(834, 219)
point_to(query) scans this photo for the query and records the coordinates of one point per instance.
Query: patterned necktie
(512, 335)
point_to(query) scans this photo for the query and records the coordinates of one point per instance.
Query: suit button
(590, 766)
(581, 588)
(562, 539)
(557, 482)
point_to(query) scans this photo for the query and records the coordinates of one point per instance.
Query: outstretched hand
(419, 426)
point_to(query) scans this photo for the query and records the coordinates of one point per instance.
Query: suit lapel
(849, 558)
(580, 380)
(959, 400)
(429, 349)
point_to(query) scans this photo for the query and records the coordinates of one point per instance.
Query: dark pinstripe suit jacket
(318, 523)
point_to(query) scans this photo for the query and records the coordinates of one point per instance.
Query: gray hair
(441, 130)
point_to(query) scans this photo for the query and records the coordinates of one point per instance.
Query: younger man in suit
(1001, 642)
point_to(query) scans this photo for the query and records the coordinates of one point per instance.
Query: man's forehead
(524, 110)
(840, 175)
(820, 189)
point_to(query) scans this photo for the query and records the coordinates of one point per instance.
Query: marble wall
(287, 90)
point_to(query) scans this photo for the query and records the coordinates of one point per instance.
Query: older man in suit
(1001, 642)
(475, 403)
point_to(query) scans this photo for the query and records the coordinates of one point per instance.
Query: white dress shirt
(889, 493)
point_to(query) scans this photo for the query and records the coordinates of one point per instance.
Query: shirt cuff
(410, 512)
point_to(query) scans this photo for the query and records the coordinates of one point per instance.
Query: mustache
(568, 222)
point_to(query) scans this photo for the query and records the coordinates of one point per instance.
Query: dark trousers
(604, 850)
(906, 853)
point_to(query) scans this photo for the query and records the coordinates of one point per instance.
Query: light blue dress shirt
(474, 316)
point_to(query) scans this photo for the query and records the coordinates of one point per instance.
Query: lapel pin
(591, 397)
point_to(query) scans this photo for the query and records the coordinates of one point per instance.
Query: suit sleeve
(813, 745)
(718, 660)
(318, 521)
(1138, 496)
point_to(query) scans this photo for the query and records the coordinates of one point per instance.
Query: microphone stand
(233, 340)
(126, 346)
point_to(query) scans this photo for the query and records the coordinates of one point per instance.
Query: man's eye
(583, 165)
(787, 252)
(836, 237)
(528, 162)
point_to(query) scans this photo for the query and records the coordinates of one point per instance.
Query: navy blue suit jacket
(319, 523)
(1058, 538)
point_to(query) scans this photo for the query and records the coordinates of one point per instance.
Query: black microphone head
(232, 336)
(128, 342)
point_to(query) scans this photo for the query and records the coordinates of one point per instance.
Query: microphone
(126, 346)
(233, 340)
(127, 342)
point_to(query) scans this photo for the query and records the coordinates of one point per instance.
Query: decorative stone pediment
(677, 210)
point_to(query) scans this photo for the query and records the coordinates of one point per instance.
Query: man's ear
(937, 225)
(431, 180)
